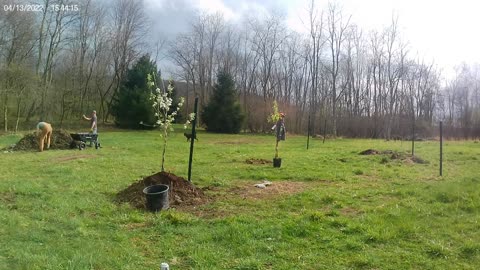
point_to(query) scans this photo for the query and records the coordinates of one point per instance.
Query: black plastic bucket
(277, 162)
(157, 197)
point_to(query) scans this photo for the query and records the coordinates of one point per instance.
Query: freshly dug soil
(369, 152)
(419, 160)
(61, 139)
(395, 155)
(181, 193)
(256, 161)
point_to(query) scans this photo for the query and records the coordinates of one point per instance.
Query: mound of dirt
(181, 193)
(256, 161)
(418, 160)
(61, 139)
(394, 156)
(369, 152)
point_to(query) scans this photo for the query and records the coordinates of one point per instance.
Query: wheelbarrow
(80, 140)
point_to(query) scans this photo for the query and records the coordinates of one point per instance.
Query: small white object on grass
(260, 186)
(164, 266)
(267, 183)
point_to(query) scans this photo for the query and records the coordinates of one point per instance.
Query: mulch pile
(181, 193)
(369, 152)
(395, 155)
(419, 160)
(61, 139)
(256, 161)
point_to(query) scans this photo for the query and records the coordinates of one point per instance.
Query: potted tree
(279, 131)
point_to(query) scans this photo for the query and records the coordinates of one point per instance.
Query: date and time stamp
(41, 8)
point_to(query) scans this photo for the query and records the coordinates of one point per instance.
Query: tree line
(347, 81)
(57, 64)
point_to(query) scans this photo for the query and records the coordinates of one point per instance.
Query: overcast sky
(444, 31)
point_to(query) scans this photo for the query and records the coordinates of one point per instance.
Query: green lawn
(335, 209)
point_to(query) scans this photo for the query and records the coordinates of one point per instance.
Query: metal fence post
(441, 148)
(192, 140)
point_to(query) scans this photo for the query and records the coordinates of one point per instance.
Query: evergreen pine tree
(223, 114)
(132, 103)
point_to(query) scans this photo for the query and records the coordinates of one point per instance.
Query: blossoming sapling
(162, 102)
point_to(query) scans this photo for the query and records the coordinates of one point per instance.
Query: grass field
(328, 207)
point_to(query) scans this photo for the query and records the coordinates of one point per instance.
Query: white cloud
(215, 6)
(443, 31)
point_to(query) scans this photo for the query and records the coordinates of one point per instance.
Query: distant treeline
(56, 65)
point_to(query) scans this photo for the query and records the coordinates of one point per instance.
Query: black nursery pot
(277, 162)
(157, 197)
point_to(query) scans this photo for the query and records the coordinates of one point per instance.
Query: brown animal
(44, 134)
(189, 136)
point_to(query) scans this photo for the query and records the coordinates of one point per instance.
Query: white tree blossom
(162, 101)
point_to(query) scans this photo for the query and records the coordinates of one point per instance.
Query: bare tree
(16, 47)
(127, 32)
(317, 42)
(268, 37)
(336, 36)
(396, 54)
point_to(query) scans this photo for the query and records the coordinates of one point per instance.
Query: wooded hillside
(56, 65)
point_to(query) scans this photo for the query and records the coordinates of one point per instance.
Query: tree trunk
(18, 114)
(5, 112)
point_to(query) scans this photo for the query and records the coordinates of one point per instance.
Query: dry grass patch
(257, 161)
(237, 141)
(249, 192)
(74, 157)
(244, 191)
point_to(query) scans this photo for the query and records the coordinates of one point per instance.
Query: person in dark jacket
(280, 128)
(280, 131)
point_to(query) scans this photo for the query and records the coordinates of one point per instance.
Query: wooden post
(192, 140)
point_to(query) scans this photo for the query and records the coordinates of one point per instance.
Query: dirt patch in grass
(395, 156)
(256, 161)
(61, 139)
(416, 159)
(181, 194)
(185, 197)
(8, 199)
(237, 141)
(68, 158)
(350, 212)
(407, 158)
(369, 152)
(377, 152)
(246, 191)
(250, 192)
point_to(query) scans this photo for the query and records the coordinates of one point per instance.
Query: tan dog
(44, 135)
